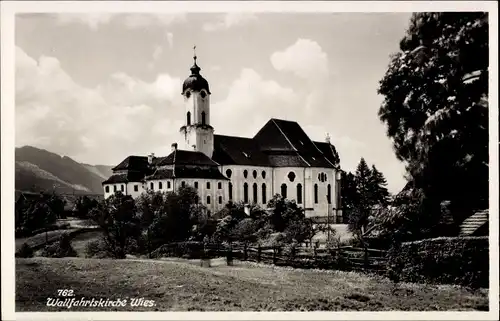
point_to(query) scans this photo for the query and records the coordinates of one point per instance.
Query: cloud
(131, 21)
(122, 116)
(170, 39)
(139, 20)
(92, 20)
(305, 58)
(229, 20)
(237, 113)
(157, 52)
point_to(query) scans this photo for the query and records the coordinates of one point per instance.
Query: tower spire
(195, 70)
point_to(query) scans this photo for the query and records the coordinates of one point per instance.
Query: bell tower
(197, 132)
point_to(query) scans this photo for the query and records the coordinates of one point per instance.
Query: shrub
(61, 248)
(188, 250)
(96, 249)
(454, 260)
(24, 251)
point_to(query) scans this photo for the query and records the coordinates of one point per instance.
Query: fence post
(229, 258)
(259, 253)
(366, 258)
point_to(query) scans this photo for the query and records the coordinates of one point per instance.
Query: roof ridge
(289, 142)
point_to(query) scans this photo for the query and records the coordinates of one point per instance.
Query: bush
(188, 250)
(24, 251)
(61, 248)
(453, 260)
(96, 249)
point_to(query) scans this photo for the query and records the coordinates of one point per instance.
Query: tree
(348, 191)
(436, 108)
(379, 192)
(118, 219)
(83, 206)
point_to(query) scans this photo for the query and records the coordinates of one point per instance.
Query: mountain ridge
(41, 170)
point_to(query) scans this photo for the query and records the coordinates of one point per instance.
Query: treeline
(38, 212)
(154, 219)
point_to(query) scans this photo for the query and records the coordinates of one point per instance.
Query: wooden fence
(345, 258)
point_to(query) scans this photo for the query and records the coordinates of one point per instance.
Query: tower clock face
(203, 94)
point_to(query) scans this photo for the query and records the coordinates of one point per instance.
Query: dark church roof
(186, 157)
(125, 178)
(280, 143)
(132, 163)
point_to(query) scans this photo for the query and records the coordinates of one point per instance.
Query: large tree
(436, 108)
(378, 184)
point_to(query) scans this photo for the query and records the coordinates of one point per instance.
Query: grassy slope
(180, 286)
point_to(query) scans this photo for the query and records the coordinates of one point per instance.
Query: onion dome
(195, 81)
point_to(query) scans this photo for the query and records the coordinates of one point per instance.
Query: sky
(101, 87)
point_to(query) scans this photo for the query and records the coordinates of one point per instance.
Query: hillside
(183, 286)
(38, 169)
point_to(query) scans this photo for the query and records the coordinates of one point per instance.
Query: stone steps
(472, 223)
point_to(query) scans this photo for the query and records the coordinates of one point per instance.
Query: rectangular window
(208, 199)
(136, 188)
(114, 188)
(168, 184)
(195, 184)
(160, 185)
(123, 188)
(152, 186)
(219, 185)
(107, 189)
(208, 185)
(220, 199)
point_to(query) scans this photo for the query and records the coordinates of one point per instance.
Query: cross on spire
(194, 53)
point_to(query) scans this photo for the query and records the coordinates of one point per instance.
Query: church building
(279, 159)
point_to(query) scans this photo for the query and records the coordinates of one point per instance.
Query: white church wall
(215, 191)
(281, 177)
(238, 180)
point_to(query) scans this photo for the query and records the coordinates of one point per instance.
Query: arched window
(291, 176)
(245, 193)
(195, 184)
(299, 193)
(264, 196)
(183, 184)
(107, 189)
(208, 199)
(114, 188)
(188, 118)
(329, 193)
(316, 193)
(160, 185)
(230, 191)
(255, 192)
(203, 117)
(245, 173)
(283, 190)
(264, 174)
(220, 199)
(229, 173)
(254, 174)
